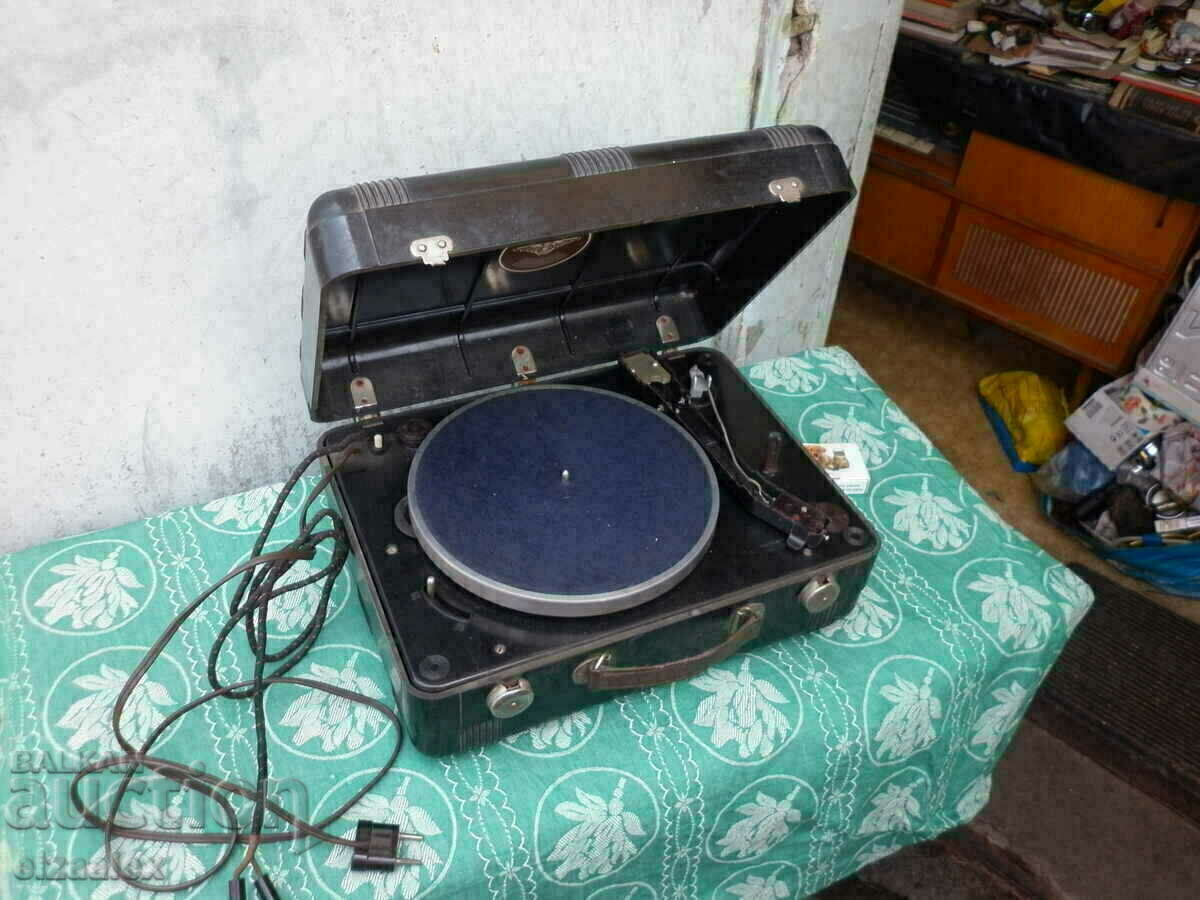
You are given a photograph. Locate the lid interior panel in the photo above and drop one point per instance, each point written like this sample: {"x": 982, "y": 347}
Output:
{"x": 423, "y": 333}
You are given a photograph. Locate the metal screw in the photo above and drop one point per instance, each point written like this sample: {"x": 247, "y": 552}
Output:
{"x": 422, "y": 248}
{"x": 430, "y": 585}
{"x": 391, "y": 549}
{"x": 434, "y": 668}
{"x": 500, "y": 649}
{"x": 442, "y": 244}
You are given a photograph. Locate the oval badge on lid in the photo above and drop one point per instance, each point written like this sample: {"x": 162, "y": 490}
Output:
{"x": 542, "y": 255}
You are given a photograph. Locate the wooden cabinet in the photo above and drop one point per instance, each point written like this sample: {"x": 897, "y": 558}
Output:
{"x": 1066, "y": 256}
{"x": 900, "y": 224}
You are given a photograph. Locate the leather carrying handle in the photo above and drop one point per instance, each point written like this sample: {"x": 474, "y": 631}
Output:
{"x": 744, "y": 626}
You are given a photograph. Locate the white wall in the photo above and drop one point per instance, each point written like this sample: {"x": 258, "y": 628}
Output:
{"x": 157, "y": 160}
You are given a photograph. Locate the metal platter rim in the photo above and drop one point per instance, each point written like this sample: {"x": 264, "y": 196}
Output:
{"x": 562, "y": 606}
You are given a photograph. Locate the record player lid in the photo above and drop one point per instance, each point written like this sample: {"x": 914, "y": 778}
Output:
{"x": 438, "y": 286}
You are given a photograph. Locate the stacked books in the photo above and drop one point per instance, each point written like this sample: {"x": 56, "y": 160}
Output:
{"x": 941, "y": 21}
{"x": 844, "y": 464}
{"x": 1060, "y": 53}
{"x": 1164, "y": 100}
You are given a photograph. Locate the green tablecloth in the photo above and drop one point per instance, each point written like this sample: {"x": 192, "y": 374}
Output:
{"x": 769, "y": 776}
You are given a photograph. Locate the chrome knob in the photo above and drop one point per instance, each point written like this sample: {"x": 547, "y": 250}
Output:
{"x": 510, "y": 698}
{"x": 819, "y": 594}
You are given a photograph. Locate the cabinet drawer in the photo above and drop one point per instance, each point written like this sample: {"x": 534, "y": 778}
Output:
{"x": 899, "y": 225}
{"x": 1084, "y": 303}
{"x": 1144, "y": 229}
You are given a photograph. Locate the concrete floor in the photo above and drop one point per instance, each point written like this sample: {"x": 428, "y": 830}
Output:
{"x": 929, "y": 356}
{"x": 1072, "y": 828}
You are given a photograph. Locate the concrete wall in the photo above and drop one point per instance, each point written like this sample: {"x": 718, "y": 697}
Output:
{"x": 157, "y": 161}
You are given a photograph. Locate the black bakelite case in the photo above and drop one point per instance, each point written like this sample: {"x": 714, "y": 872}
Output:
{"x": 689, "y": 231}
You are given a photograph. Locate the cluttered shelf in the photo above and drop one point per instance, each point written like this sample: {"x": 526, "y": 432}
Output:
{"x": 1050, "y": 77}
{"x": 1011, "y": 187}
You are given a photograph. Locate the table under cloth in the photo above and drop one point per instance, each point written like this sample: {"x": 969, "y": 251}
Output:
{"x": 771, "y": 775}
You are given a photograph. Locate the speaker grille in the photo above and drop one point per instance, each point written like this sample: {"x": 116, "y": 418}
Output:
{"x": 1040, "y": 282}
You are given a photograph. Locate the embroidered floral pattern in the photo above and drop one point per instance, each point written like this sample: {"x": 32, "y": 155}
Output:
{"x": 908, "y": 726}
{"x": 742, "y": 710}
{"x": 926, "y": 517}
{"x": 765, "y": 823}
{"x": 1076, "y": 595}
{"x": 92, "y": 593}
{"x": 974, "y": 798}
{"x": 154, "y": 862}
{"x": 848, "y": 429}
{"x": 295, "y": 609}
{"x": 1018, "y": 611}
{"x": 90, "y": 718}
{"x": 334, "y": 723}
{"x": 895, "y": 808}
{"x": 557, "y": 734}
{"x": 760, "y": 887}
{"x": 997, "y": 721}
{"x": 906, "y": 429}
{"x": 246, "y": 511}
{"x": 870, "y": 620}
{"x": 601, "y": 841}
{"x": 839, "y": 362}
{"x": 790, "y": 375}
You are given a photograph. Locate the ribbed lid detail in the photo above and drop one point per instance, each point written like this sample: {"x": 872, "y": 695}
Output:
{"x": 598, "y": 162}
{"x": 783, "y": 136}
{"x": 387, "y": 192}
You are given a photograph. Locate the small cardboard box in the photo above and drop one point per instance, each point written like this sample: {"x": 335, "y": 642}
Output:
{"x": 844, "y": 464}
{"x": 1116, "y": 420}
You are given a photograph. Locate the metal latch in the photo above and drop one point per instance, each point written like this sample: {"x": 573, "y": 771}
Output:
{"x": 789, "y": 189}
{"x": 433, "y": 251}
{"x": 366, "y": 407}
{"x": 645, "y": 368}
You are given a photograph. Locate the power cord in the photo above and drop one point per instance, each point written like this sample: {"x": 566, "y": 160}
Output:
{"x": 374, "y": 844}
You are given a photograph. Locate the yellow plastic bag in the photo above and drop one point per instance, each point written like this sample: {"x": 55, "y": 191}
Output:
{"x": 1031, "y": 409}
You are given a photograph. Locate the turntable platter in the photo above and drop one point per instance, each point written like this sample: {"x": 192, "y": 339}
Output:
{"x": 562, "y": 500}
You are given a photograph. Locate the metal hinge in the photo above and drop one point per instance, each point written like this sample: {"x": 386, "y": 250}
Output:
{"x": 523, "y": 362}
{"x": 789, "y": 188}
{"x": 433, "y": 251}
{"x": 668, "y": 333}
{"x": 366, "y": 407}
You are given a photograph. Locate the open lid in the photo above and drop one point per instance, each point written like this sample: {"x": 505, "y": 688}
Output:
{"x": 421, "y": 289}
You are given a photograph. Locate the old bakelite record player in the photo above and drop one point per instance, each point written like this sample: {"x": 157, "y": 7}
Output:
{"x": 558, "y": 495}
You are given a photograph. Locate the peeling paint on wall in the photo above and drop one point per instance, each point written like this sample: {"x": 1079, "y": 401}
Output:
{"x": 825, "y": 64}
{"x": 801, "y": 29}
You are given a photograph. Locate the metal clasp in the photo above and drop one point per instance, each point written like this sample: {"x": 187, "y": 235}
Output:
{"x": 366, "y": 406}
{"x": 433, "y": 251}
{"x": 789, "y": 188}
{"x": 523, "y": 362}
